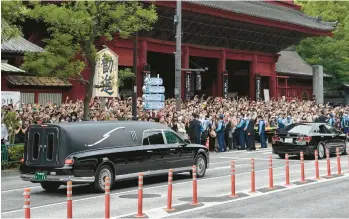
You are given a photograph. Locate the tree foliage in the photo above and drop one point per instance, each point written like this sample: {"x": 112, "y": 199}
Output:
{"x": 74, "y": 27}
{"x": 11, "y": 12}
{"x": 330, "y": 52}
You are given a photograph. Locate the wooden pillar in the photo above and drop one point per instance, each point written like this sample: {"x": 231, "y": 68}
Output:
{"x": 273, "y": 81}
{"x": 218, "y": 90}
{"x": 185, "y": 64}
{"x": 142, "y": 60}
{"x": 252, "y": 79}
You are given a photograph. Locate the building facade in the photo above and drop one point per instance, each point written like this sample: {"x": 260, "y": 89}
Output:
{"x": 239, "y": 42}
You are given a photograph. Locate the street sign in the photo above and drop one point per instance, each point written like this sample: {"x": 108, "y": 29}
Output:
{"x": 153, "y": 89}
{"x": 153, "y": 97}
{"x": 153, "y": 105}
{"x": 153, "y": 81}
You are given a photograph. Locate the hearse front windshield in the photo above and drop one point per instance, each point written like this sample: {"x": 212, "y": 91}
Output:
{"x": 303, "y": 129}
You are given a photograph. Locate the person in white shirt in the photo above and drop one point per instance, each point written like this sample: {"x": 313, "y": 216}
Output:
{"x": 4, "y": 133}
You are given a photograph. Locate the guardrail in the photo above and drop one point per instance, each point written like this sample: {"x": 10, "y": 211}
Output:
{"x": 11, "y": 155}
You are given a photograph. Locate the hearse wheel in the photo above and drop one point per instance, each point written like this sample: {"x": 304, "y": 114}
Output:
{"x": 200, "y": 163}
{"x": 346, "y": 148}
{"x": 321, "y": 151}
{"x": 103, "y": 172}
{"x": 50, "y": 186}
{"x": 282, "y": 156}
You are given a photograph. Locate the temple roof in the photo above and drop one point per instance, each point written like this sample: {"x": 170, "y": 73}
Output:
{"x": 269, "y": 11}
{"x": 290, "y": 62}
{"x": 37, "y": 81}
{"x": 19, "y": 45}
{"x": 10, "y": 68}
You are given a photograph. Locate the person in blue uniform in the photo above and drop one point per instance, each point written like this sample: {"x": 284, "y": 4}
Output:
{"x": 345, "y": 123}
{"x": 281, "y": 122}
{"x": 220, "y": 133}
{"x": 331, "y": 120}
{"x": 261, "y": 131}
{"x": 241, "y": 134}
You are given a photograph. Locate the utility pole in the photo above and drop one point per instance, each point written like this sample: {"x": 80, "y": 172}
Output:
{"x": 178, "y": 55}
{"x": 134, "y": 93}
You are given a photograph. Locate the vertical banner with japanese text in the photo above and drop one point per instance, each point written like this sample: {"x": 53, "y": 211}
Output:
{"x": 106, "y": 76}
{"x": 188, "y": 85}
{"x": 258, "y": 87}
{"x": 225, "y": 85}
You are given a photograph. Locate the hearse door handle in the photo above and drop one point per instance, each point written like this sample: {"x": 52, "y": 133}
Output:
{"x": 150, "y": 151}
{"x": 172, "y": 149}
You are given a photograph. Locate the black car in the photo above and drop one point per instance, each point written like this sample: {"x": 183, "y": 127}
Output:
{"x": 87, "y": 152}
{"x": 308, "y": 137}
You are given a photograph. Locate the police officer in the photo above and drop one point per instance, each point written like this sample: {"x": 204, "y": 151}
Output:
{"x": 345, "y": 123}
{"x": 220, "y": 133}
{"x": 261, "y": 131}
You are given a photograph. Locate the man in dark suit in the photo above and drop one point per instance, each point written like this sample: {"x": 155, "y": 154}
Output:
{"x": 322, "y": 118}
{"x": 194, "y": 131}
{"x": 249, "y": 129}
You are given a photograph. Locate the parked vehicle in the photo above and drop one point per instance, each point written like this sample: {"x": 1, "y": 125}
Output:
{"x": 87, "y": 152}
{"x": 308, "y": 137}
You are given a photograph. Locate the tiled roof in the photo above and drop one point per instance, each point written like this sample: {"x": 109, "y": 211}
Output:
{"x": 268, "y": 11}
{"x": 10, "y": 68}
{"x": 19, "y": 45}
{"x": 291, "y": 63}
{"x": 37, "y": 81}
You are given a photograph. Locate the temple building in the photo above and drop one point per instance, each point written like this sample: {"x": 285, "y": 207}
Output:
{"x": 243, "y": 44}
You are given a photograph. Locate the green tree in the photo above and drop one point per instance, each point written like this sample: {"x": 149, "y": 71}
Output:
{"x": 11, "y": 12}
{"x": 330, "y": 52}
{"x": 74, "y": 27}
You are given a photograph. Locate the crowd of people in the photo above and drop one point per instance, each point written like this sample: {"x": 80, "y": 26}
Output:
{"x": 228, "y": 124}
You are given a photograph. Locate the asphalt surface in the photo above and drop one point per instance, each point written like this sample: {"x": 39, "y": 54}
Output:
{"x": 213, "y": 190}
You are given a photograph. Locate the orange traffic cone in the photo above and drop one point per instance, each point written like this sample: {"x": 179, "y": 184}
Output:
{"x": 207, "y": 142}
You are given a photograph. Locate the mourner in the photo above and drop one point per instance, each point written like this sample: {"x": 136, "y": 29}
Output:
{"x": 205, "y": 128}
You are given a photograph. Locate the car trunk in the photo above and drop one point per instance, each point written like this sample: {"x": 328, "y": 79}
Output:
{"x": 42, "y": 147}
{"x": 288, "y": 138}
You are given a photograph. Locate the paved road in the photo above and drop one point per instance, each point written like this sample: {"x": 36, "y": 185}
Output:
{"x": 212, "y": 189}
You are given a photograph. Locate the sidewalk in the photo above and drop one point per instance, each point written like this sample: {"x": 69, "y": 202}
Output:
{"x": 11, "y": 172}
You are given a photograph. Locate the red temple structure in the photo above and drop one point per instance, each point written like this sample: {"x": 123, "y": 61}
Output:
{"x": 240, "y": 42}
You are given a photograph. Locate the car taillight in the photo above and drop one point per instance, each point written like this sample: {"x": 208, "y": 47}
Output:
{"x": 276, "y": 138}
{"x": 69, "y": 162}
{"x": 306, "y": 139}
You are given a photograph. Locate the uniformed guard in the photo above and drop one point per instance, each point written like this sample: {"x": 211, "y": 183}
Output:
{"x": 241, "y": 133}
{"x": 261, "y": 131}
{"x": 220, "y": 133}
{"x": 345, "y": 123}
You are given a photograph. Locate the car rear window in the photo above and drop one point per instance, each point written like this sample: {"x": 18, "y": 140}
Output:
{"x": 303, "y": 129}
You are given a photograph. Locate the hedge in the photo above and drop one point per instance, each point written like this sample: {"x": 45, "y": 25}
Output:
{"x": 11, "y": 155}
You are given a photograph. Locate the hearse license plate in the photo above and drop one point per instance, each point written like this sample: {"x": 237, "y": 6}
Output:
{"x": 288, "y": 140}
{"x": 40, "y": 175}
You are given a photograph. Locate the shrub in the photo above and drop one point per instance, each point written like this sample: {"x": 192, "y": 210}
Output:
{"x": 14, "y": 154}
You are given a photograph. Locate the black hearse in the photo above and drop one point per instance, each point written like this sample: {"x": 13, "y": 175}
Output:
{"x": 87, "y": 152}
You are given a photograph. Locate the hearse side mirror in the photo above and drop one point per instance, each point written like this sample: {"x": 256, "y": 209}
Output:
{"x": 187, "y": 141}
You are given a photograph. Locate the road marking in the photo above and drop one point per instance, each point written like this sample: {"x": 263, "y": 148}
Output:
{"x": 211, "y": 204}
{"x": 149, "y": 188}
{"x": 12, "y": 190}
{"x": 248, "y": 197}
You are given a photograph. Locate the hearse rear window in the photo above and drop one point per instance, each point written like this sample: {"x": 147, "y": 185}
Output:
{"x": 153, "y": 137}
{"x": 36, "y": 140}
{"x": 49, "y": 152}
